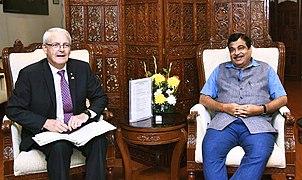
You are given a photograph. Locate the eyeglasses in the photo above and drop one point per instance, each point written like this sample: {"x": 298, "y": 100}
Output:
{"x": 58, "y": 45}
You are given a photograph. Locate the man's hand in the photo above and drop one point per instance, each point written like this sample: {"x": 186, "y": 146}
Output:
{"x": 247, "y": 110}
{"x": 55, "y": 125}
{"x": 77, "y": 121}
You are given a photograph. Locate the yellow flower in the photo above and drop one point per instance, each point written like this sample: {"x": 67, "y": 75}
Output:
{"x": 173, "y": 81}
{"x": 158, "y": 78}
{"x": 159, "y": 99}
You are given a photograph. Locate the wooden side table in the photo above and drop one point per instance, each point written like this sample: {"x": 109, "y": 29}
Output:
{"x": 147, "y": 132}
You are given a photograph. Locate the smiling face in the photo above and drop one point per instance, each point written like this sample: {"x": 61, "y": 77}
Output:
{"x": 240, "y": 54}
{"x": 57, "y": 55}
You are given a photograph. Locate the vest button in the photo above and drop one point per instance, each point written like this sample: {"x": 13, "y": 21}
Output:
{"x": 241, "y": 97}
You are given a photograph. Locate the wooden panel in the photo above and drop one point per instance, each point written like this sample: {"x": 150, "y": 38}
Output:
{"x": 250, "y": 17}
{"x": 98, "y": 23}
{"x": 289, "y": 33}
{"x": 170, "y": 30}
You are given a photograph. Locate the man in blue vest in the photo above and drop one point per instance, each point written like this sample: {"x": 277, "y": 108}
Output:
{"x": 244, "y": 93}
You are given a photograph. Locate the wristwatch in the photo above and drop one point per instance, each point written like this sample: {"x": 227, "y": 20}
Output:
{"x": 87, "y": 112}
{"x": 264, "y": 108}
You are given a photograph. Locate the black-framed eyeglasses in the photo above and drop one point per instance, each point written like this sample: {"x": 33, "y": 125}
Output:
{"x": 58, "y": 45}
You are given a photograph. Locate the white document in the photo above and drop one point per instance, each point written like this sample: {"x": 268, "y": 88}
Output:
{"x": 79, "y": 137}
{"x": 140, "y": 99}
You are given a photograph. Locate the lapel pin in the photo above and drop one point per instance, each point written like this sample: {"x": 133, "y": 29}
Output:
{"x": 72, "y": 77}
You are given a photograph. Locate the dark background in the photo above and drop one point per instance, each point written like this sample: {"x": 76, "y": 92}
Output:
{"x": 26, "y": 6}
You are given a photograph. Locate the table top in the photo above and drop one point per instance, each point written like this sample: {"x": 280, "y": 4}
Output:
{"x": 163, "y": 121}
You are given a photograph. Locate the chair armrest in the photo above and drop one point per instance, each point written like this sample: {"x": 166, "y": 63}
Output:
{"x": 198, "y": 120}
{"x": 278, "y": 122}
{"x": 203, "y": 116}
{"x": 7, "y": 148}
{"x": 289, "y": 122}
{"x": 6, "y": 125}
{"x": 107, "y": 115}
{"x": 110, "y": 156}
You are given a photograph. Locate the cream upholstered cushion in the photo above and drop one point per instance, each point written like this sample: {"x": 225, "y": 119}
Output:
{"x": 212, "y": 58}
{"x": 21, "y": 60}
{"x": 3, "y": 94}
{"x": 34, "y": 160}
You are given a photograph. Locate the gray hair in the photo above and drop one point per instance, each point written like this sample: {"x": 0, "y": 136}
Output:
{"x": 47, "y": 34}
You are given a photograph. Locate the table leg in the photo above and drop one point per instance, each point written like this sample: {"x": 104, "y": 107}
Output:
{"x": 177, "y": 152}
{"x": 125, "y": 154}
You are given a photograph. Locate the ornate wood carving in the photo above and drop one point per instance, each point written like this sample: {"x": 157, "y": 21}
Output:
{"x": 169, "y": 30}
{"x": 250, "y": 17}
{"x": 97, "y": 22}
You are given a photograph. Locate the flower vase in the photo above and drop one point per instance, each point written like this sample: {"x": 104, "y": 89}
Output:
{"x": 163, "y": 109}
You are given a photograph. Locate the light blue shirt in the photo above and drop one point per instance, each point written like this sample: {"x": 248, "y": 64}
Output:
{"x": 275, "y": 86}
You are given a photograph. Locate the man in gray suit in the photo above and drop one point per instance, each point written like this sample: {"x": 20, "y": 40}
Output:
{"x": 50, "y": 95}
{"x": 244, "y": 93}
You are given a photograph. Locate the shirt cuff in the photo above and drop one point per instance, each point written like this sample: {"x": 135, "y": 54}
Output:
{"x": 93, "y": 114}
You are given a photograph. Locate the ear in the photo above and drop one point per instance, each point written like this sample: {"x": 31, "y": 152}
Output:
{"x": 44, "y": 48}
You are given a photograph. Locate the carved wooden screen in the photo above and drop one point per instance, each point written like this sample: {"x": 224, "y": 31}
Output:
{"x": 97, "y": 22}
{"x": 245, "y": 16}
{"x": 170, "y": 30}
{"x": 129, "y": 32}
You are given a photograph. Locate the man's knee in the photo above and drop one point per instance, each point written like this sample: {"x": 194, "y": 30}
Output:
{"x": 61, "y": 148}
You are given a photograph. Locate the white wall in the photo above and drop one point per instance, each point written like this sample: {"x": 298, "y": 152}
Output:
{"x": 29, "y": 28}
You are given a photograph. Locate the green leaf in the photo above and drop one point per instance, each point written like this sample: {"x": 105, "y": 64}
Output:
{"x": 165, "y": 71}
{"x": 149, "y": 74}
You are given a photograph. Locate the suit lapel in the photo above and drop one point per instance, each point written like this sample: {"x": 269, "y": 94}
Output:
{"x": 72, "y": 81}
{"x": 50, "y": 82}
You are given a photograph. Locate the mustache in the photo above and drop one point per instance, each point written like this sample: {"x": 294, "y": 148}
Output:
{"x": 238, "y": 55}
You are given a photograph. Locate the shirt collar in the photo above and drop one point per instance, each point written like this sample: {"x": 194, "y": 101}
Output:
{"x": 55, "y": 70}
{"x": 252, "y": 63}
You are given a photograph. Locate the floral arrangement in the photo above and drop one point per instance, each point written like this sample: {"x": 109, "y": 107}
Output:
{"x": 164, "y": 89}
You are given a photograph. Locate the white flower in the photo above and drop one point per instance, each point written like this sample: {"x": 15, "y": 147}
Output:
{"x": 169, "y": 91}
{"x": 158, "y": 91}
{"x": 171, "y": 100}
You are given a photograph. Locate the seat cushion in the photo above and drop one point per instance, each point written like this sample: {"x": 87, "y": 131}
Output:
{"x": 36, "y": 158}
{"x": 38, "y": 163}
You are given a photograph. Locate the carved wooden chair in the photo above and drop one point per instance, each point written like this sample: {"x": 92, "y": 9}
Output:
{"x": 282, "y": 160}
{"x": 32, "y": 164}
